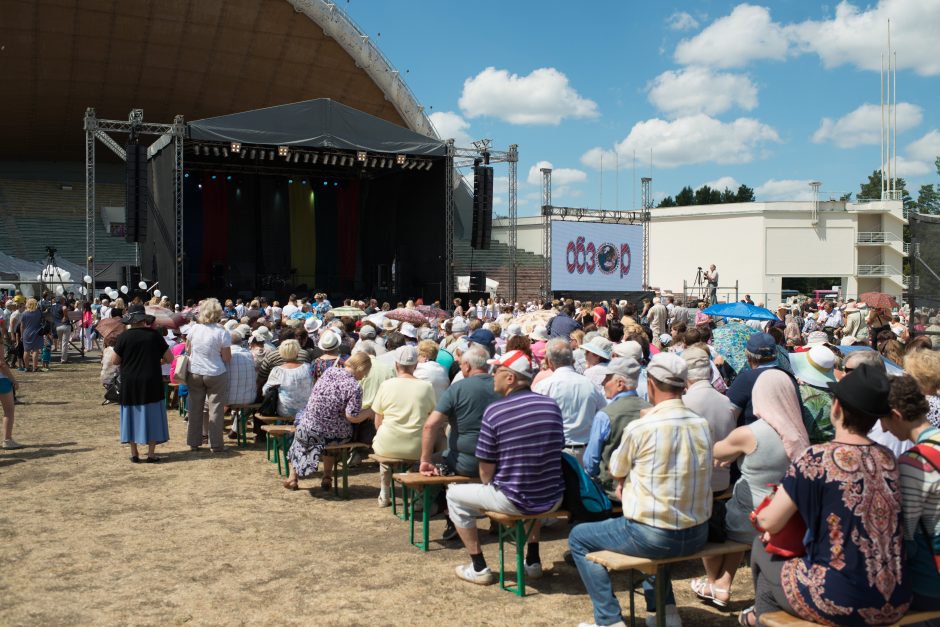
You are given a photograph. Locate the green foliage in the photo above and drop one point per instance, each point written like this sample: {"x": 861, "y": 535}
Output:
{"x": 705, "y": 195}
{"x": 928, "y": 199}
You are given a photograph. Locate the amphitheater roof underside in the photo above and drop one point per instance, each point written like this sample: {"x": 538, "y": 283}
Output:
{"x": 198, "y": 58}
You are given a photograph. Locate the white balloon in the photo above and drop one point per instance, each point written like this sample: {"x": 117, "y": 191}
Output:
{"x": 87, "y": 278}
{"x": 39, "y": 277}
{"x": 59, "y": 290}
{"x": 82, "y": 290}
{"x": 142, "y": 285}
{"x": 124, "y": 289}
{"x": 157, "y": 293}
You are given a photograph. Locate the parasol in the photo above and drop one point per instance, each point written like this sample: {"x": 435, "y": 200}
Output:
{"x": 109, "y": 328}
{"x": 730, "y": 340}
{"x": 165, "y": 317}
{"x": 401, "y": 314}
{"x": 433, "y": 313}
{"x": 892, "y": 368}
{"x": 352, "y": 312}
{"x": 741, "y": 311}
{"x": 878, "y": 300}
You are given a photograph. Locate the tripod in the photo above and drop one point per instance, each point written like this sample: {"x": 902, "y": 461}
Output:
{"x": 698, "y": 289}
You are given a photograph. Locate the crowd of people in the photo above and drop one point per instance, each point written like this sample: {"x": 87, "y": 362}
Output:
{"x": 800, "y": 422}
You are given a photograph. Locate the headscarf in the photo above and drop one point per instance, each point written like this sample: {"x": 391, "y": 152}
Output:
{"x": 775, "y": 402}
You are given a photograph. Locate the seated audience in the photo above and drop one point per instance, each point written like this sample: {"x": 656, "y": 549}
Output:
{"x": 430, "y": 370}
{"x": 293, "y": 377}
{"x": 663, "y": 468}
{"x": 519, "y": 453}
{"x": 847, "y": 492}
{"x": 924, "y": 366}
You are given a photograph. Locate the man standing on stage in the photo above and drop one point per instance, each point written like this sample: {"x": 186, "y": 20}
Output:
{"x": 712, "y": 277}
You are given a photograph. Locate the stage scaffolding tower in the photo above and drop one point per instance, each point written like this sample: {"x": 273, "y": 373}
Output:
{"x": 464, "y": 158}
{"x": 647, "y": 198}
{"x": 96, "y": 128}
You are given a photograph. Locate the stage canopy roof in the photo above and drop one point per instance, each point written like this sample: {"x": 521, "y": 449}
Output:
{"x": 320, "y": 123}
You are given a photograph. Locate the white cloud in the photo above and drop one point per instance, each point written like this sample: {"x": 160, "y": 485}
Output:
{"x": 913, "y": 167}
{"x": 451, "y": 125}
{"x": 863, "y": 125}
{"x": 747, "y": 34}
{"x": 681, "y": 20}
{"x": 723, "y": 182}
{"x": 857, "y": 37}
{"x": 926, "y": 148}
{"x": 500, "y": 189}
{"x": 560, "y": 176}
{"x": 787, "y": 189}
{"x": 600, "y": 158}
{"x": 700, "y": 90}
{"x": 542, "y": 97}
{"x": 687, "y": 140}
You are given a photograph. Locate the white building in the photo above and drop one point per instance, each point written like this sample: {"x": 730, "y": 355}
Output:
{"x": 757, "y": 245}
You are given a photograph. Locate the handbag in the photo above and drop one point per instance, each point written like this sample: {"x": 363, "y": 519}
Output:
{"x": 788, "y": 542}
{"x": 269, "y": 401}
{"x": 181, "y": 370}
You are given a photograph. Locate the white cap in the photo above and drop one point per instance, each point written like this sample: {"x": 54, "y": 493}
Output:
{"x": 408, "y": 330}
{"x": 406, "y": 355}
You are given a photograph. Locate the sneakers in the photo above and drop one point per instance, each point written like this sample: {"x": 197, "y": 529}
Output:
{"x": 450, "y": 531}
{"x": 384, "y": 501}
{"x": 619, "y": 623}
{"x": 533, "y": 571}
{"x": 11, "y": 444}
{"x": 482, "y": 578}
{"x": 355, "y": 459}
{"x": 672, "y": 618}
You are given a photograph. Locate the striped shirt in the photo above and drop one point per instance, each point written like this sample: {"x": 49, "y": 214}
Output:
{"x": 666, "y": 457}
{"x": 523, "y": 435}
{"x": 920, "y": 491}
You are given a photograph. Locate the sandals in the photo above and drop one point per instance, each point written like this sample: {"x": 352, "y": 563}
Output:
{"x": 135, "y": 459}
{"x": 152, "y": 460}
{"x": 744, "y": 618}
{"x": 290, "y": 485}
{"x": 326, "y": 484}
{"x": 707, "y": 591}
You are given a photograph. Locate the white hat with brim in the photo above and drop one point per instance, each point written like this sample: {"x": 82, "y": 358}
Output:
{"x": 815, "y": 366}
{"x": 600, "y": 346}
{"x": 539, "y": 334}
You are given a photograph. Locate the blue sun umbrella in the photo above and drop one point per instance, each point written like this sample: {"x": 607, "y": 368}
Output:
{"x": 741, "y": 311}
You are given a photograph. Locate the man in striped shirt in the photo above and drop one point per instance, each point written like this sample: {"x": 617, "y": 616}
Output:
{"x": 663, "y": 467}
{"x": 519, "y": 453}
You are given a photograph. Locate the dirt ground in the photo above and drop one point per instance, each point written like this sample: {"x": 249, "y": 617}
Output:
{"x": 89, "y": 538}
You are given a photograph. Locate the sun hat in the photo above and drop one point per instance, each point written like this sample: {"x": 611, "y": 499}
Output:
{"x": 389, "y": 325}
{"x": 408, "y": 330}
{"x": 367, "y": 332}
{"x": 696, "y": 358}
{"x": 600, "y": 346}
{"x": 424, "y": 333}
{"x": 514, "y": 330}
{"x": 329, "y": 341}
{"x": 815, "y": 366}
{"x": 459, "y": 325}
{"x": 817, "y": 338}
{"x": 406, "y": 355}
{"x": 262, "y": 334}
{"x": 668, "y": 368}
{"x": 230, "y": 325}
{"x": 626, "y": 367}
{"x": 462, "y": 345}
{"x": 517, "y": 361}
{"x": 312, "y": 324}
{"x": 630, "y": 348}
{"x": 539, "y": 333}
{"x": 665, "y": 339}
{"x": 864, "y": 390}
{"x": 244, "y": 329}
{"x": 137, "y": 313}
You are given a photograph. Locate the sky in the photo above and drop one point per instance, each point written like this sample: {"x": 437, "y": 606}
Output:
{"x": 768, "y": 95}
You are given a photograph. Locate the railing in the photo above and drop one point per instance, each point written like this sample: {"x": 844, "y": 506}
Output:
{"x": 907, "y": 248}
{"x": 872, "y": 237}
{"x": 876, "y": 270}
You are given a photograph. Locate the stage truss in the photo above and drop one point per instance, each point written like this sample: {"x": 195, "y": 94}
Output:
{"x": 96, "y": 128}
{"x": 550, "y": 212}
{"x": 463, "y": 158}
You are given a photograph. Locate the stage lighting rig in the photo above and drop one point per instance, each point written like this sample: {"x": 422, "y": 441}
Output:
{"x": 361, "y": 156}
{"x": 282, "y": 151}
{"x": 400, "y": 159}
{"x": 236, "y": 147}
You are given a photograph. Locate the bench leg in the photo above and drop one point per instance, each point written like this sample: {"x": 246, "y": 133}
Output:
{"x": 267, "y": 446}
{"x": 425, "y": 520}
{"x": 660, "y": 587}
{"x": 632, "y": 603}
{"x": 518, "y": 534}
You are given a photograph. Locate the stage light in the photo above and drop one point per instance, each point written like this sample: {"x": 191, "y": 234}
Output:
{"x": 253, "y": 153}
{"x": 412, "y": 164}
{"x": 296, "y": 157}
{"x": 400, "y": 159}
{"x": 215, "y": 151}
{"x": 372, "y": 162}
{"x": 290, "y": 181}
{"x": 186, "y": 175}
{"x": 213, "y": 177}
{"x": 382, "y": 163}
{"x": 270, "y": 155}
{"x": 333, "y": 160}
{"x": 361, "y": 155}
{"x": 315, "y": 158}
{"x": 243, "y": 153}
{"x": 324, "y": 183}
{"x": 236, "y": 147}
{"x": 224, "y": 151}
{"x": 306, "y": 157}
{"x": 427, "y": 165}
{"x": 200, "y": 186}
{"x": 228, "y": 178}
{"x": 282, "y": 151}
{"x": 335, "y": 183}
{"x": 303, "y": 182}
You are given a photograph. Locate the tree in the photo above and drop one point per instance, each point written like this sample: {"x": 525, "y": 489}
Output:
{"x": 685, "y": 197}
{"x": 667, "y": 202}
{"x": 705, "y": 195}
{"x": 928, "y": 199}
{"x": 745, "y": 194}
{"x": 872, "y": 189}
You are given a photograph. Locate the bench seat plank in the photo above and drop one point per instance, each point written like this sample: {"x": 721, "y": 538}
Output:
{"x": 416, "y": 479}
{"x": 782, "y": 619}
{"x": 511, "y": 519}
{"x": 618, "y": 561}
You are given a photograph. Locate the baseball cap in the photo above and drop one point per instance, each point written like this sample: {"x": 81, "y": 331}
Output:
{"x": 864, "y": 390}
{"x": 459, "y": 325}
{"x": 668, "y": 368}
{"x": 367, "y": 332}
{"x": 482, "y": 336}
{"x": 626, "y": 367}
{"x": 696, "y": 358}
{"x": 762, "y": 344}
{"x": 408, "y": 330}
{"x": 406, "y": 355}
{"x": 517, "y": 361}
{"x": 630, "y": 348}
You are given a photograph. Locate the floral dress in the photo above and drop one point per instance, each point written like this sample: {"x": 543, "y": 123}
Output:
{"x": 323, "y": 421}
{"x": 849, "y": 496}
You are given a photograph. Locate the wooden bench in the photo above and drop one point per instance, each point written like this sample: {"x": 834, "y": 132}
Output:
{"x": 782, "y": 619}
{"x": 398, "y": 466}
{"x": 614, "y": 561}
{"x": 341, "y": 453}
{"x": 278, "y": 439}
{"x": 240, "y": 415}
{"x": 182, "y": 400}
{"x": 411, "y": 482}
{"x": 517, "y": 528}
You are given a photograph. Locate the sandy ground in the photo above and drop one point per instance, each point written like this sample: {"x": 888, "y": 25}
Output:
{"x": 89, "y": 538}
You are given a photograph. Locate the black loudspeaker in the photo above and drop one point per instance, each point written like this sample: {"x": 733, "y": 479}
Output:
{"x": 478, "y": 281}
{"x": 130, "y": 276}
{"x": 482, "y": 207}
{"x": 135, "y": 202}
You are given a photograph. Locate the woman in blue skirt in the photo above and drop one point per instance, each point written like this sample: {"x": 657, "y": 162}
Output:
{"x": 140, "y": 351}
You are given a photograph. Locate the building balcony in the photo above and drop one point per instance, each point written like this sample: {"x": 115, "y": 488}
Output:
{"x": 877, "y": 270}
{"x": 882, "y": 238}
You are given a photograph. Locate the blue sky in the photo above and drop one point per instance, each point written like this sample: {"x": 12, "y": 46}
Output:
{"x": 771, "y": 96}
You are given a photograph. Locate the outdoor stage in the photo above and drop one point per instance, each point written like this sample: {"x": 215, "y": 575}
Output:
{"x": 312, "y": 196}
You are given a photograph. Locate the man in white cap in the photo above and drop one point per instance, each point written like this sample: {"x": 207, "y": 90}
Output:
{"x": 711, "y": 405}
{"x": 401, "y": 407}
{"x": 458, "y": 328}
{"x": 577, "y": 397}
{"x": 620, "y": 379}
{"x": 663, "y": 467}
{"x": 633, "y": 349}
{"x": 597, "y": 353}
{"x": 519, "y": 454}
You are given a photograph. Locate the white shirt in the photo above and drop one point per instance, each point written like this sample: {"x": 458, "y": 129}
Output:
{"x": 578, "y": 399}
{"x": 596, "y": 375}
{"x": 206, "y": 342}
{"x": 433, "y": 373}
{"x": 289, "y": 308}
